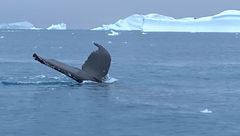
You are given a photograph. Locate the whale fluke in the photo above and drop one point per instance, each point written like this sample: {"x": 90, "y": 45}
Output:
{"x": 95, "y": 67}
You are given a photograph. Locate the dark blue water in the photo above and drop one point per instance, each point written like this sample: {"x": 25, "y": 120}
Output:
{"x": 168, "y": 84}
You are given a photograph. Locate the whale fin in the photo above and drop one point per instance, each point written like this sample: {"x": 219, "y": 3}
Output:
{"x": 95, "y": 67}
{"x": 98, "y": 63}
{"x": 73, "y": 72}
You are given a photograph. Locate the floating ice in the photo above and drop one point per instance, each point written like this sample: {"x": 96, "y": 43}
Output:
{"x": 61, "y": 26}
{"x": 113, "y": 33}
{"x": 1, "y": 37}
{"x": 29, "y": 26}
{"x": 17, "y": 25}
{"x": 227, "y": 21}
{"x": 36, "y": 28}
{"x": 206, "y": 111}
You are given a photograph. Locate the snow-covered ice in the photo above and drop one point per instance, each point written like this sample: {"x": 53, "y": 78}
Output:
{"x": 17, "y": 25}
{"x": 226, "y": 21}
{"x": 60, "y": 26}
{"x": 29, "y": 26}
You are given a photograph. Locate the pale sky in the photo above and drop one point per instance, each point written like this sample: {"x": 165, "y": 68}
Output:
{"x": 86, "y": 14}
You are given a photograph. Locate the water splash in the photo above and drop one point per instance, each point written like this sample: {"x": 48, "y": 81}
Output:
{"x": 50, "y": 80}
{"x": 107, "y": 79}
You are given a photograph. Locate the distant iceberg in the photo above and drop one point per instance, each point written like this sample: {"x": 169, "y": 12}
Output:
{"x": 29, "y": 26}
{"x": 227, "y": 21}
{"x": 61, "y": 26}
{"x": 17, "y": 25}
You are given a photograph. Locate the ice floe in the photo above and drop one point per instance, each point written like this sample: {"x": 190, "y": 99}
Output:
{"x": 113, "y": 33}
{"x": 206, "y": 111}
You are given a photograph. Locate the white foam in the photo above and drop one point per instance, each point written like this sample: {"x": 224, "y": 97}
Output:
{"x": 37, "y": 76}
{"x": 206, "y": 111}
{"x": 55, "y": 77}
{"x": 1, "y": 37}
{"x": 110, "y": 80}
{"x": 40, "y": 76}
{"x": 88, "y": 81}
{"x": 107, "y": 80}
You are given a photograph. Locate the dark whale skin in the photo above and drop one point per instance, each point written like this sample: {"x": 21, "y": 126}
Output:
{"x": 95, "y": 67}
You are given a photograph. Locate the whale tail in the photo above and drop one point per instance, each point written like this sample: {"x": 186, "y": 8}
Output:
{"x": 95, "y": 67}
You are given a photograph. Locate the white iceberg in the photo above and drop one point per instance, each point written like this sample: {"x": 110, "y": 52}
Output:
{"x": 60, "y": 26}
{"x": 113, "y": 33}
{"x": 36, "y": 28}
{"x": 227, "y": 21}
{"x": 29, "y": 26}
{"x": 17, "y": 25}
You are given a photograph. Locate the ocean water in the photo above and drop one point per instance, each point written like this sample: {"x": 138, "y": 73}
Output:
{"x": 162, "y": 84}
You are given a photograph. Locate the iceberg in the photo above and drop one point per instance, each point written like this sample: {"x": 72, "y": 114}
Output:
{"x": 226, "y": 21}
{"x": 29, "y": 26}
{"x": 17, "y": 25}
{"x": 113, "y": 33}
{"x": 206, "y": 111}
{"x": 36, "y": 28}
{"x": 60, "y": 26}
